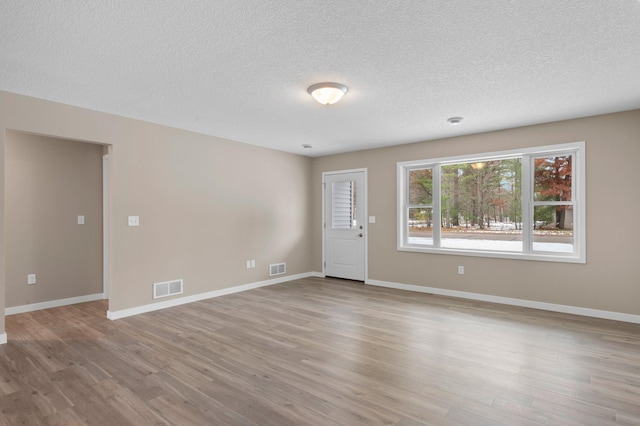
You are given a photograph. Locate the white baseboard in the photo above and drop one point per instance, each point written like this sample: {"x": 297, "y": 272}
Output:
{"x": 52, "y": 304}
{"x": 114, "y": 315}
{"x": 3, "y": 338}
{"x": 317, "y": 275}
{"x": 595, "y": 313}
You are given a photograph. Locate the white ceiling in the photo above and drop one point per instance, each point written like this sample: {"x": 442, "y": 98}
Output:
{"x": 239, "y": 69}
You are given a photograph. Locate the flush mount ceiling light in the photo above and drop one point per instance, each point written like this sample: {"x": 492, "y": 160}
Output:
{"x": 454, "y": 121}
{"x": 327, "y": 93}
{"x": 307, "y": 146}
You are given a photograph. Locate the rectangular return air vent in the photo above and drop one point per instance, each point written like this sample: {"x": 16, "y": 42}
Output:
{"x": 277, "y": 269}
{"x": 167, "y": 288}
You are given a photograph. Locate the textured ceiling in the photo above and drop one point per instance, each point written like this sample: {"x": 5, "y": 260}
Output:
{"x": 239, "y": 69}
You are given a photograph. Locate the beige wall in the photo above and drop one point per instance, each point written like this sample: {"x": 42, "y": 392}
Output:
{"x": 49, "y": 183}
{"x": 206, "y": 204}
{"x": 610, "y": 280}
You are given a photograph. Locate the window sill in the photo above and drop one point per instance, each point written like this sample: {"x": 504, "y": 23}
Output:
{"x": 543, "y": 257}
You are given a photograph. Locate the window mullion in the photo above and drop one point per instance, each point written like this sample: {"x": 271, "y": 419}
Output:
{"x": 404, "y": 231}
{"x": 437, "y": 210}
{"x": 527, "y": 204}
{"x": 553, "y": 203}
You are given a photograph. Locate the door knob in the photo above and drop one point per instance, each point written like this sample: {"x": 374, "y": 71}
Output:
{"x": 360, "y": 235}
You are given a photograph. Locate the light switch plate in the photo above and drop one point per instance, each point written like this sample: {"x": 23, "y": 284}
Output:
{"x": 80, "y": 220}
{"x": 372, "y": 219}
{"x": 134, "y": 220}
{"x": 31, "y": 279}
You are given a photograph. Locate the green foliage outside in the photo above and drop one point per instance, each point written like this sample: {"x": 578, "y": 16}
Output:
{"x": 475, "y": 195}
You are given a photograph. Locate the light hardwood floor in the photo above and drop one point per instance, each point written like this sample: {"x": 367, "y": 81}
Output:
{"x": 319, "y": 352}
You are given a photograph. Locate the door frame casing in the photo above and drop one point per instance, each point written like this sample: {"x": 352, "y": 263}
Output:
{"x": 366, "y": 218}
{"x": 106, "y": 173}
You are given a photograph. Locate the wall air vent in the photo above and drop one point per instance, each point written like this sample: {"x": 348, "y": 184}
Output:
{"x": 277, "y": 269}
{"x": 167, "y": 288}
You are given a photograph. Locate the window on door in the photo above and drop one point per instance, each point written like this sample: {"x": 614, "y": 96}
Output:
{"x": 343, "y": 205}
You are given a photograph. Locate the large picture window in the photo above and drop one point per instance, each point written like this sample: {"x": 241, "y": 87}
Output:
{"x": 526, "y": 204}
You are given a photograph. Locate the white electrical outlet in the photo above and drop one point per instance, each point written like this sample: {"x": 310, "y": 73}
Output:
{"x": 31, "y": 279}
{"x": 461, "y": 270}
{"x": 134, "y": 220}
{"x": 80, "y": 220}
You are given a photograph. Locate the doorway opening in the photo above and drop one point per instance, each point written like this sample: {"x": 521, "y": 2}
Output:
{"x": 56, "y": 217}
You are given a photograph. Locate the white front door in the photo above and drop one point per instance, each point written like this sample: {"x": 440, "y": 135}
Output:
{"x": 345, "y": 231}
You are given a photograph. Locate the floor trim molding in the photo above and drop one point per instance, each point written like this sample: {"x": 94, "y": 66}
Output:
{"x": 123, "y": 313}
{"x": 52, "y": 304}
{"x": 3, "y": 338}
{"x": 595, "y": 313}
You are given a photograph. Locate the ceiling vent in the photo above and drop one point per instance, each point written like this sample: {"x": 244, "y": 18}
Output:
{"x": 167, "y": 288}
{"x": 277, "y": 269}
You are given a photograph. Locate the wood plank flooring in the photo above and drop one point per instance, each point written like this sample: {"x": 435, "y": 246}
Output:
{"x": 319, "y": 352}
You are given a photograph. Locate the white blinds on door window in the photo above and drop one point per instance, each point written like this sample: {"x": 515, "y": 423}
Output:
{"x": 343, "y": 205}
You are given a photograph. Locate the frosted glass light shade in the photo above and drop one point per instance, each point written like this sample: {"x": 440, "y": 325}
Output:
{"x": 327, "y": 93}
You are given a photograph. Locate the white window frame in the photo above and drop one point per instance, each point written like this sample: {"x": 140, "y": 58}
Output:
{"x": 577, "y": 149}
